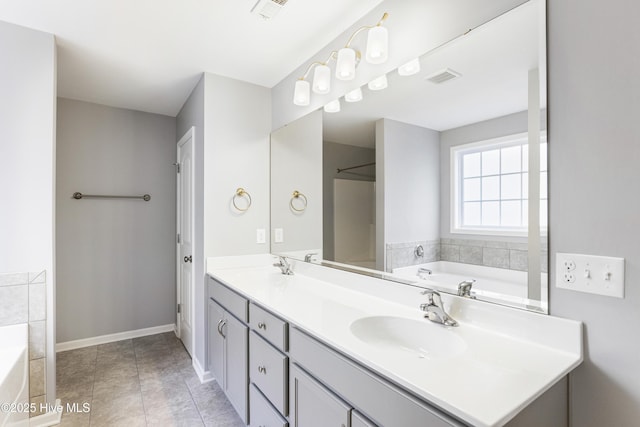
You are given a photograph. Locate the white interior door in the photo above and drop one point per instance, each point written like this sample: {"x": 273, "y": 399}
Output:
{"x": 185, "y": 269}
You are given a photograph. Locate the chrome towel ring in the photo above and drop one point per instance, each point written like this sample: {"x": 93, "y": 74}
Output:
{"x": 298, "y": 195}
{"x": 241, "y": 193}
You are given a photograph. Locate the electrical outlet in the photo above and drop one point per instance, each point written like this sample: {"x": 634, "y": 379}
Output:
{"x": 261, "y": 236}
{"x": 278, "y": 235}
{"x": 592, "y": 274}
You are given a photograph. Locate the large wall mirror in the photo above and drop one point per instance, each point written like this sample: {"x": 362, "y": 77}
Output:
{"x": 437, "y": 180}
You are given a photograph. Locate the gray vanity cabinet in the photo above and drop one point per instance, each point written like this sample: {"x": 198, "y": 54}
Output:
{"x": 268, "y": 368}
{"x": 312, "y": 405}
{"x": 229, "y": 345}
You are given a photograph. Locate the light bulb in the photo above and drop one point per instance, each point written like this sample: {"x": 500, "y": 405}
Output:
{"x": 322, "y": 79}
{"x": 377, "y": 45}
{"x": 346, "y": 64}
{"x": 410, "y": 68}
{"x": 379, "y": 83}
{"x": 333, "y": 106}
{"x": 301, "y": 93}
{"x": 354, "y": 96}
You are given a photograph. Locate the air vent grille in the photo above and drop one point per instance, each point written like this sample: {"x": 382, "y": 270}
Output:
{"x": 268, "y": 9}
{"x": 443, "y": 76}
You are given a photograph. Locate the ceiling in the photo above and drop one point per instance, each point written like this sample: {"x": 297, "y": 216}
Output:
{"x": 494, "y": 61}
{"x": 148, "y": 55}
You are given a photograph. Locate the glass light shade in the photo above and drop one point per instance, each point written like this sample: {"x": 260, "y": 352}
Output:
{"x": 346, "y": 64}
{"x": 377, "y": 45}
{"x": 354, "y": 96}
{"x": 410, "y": 68}
{"x": 333, "y": 106}
{"x": 321, "y": 79}
{"x": 302, "y": 93}
{"x": 379, "y": 83}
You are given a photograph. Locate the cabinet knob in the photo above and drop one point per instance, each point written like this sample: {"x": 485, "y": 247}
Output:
{"x": 188, "y": 258}
{"x": 262, "y": 325}
{"x": 262, "y": 370}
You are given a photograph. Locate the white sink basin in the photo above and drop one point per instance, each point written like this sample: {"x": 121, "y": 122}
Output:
{"x": 422, "y": 338}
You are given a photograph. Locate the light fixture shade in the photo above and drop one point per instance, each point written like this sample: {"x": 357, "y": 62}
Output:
{"x": 346, "y": 64}
{"x": 377, "y": 45}
{"x": 379, "y": 83}
{"x": 321, "y": 79}
{"x": 333, "y": 106}
{"x": 354, "y": 96}
{"x": 302, "y": 93}
{"x": 410, "y": 68}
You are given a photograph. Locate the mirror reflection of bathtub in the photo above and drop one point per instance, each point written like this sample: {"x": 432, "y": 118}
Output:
{"x": 14, "y": 369}
{"x": 491, "y": 284}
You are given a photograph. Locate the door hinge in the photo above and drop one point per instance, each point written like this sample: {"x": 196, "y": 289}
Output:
{"x": 177, "y": 165}
{"x": 178, "y": 238}
{"x": 178, "y": 308}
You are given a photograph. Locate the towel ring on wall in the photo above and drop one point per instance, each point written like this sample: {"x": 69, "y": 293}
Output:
{"x": 241, "y": 193}
{"x": 298, "y": 195}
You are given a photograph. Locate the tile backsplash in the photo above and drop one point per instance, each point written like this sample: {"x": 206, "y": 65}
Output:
{"x": 23, "y": 299}
{"x": 489, "y": 253}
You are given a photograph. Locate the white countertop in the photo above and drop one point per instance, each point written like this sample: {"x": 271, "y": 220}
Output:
{"x": 511, "y": 356}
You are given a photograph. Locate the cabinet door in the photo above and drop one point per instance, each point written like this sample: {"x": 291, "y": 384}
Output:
{"x": 216, "y": 342}
{"x": 236, "y": 376}
{"x": 313, "y": 405}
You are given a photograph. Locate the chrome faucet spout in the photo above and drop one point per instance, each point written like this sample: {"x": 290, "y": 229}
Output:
{"x": 284, "y": 266}
{"x": 435, "y": 309}
{"x": 308, "y": 257}
{"x": 464, "y": 288}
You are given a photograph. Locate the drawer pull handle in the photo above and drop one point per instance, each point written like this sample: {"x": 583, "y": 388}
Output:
{"x": 262, "y": 370}
{"x": 262, "y": 325}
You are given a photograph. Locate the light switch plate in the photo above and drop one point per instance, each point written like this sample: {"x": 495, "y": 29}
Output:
{"x": 592, "y": 274}
{"x": 278, "y": 235}
{"x": 261, "y": 236}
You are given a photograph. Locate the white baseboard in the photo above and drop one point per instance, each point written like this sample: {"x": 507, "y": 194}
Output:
{"x": 204, "y": 376}
{"x": 103, "y": 339}
{"x": 51, "y": 418}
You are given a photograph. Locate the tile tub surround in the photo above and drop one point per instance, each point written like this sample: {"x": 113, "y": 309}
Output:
{"x": 147, "y": 381}
{"x": 23, "y": 300}
{"x": 489, "y": 253}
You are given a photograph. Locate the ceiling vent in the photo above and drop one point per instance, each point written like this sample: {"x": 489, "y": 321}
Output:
{"x": 443, "y": 76}
{"x": 267, "y": 9}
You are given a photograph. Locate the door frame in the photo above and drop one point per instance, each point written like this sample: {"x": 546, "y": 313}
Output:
{"x": 190, "y": 134}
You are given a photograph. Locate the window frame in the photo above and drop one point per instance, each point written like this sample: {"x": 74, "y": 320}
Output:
{"x": 456, "y": 180}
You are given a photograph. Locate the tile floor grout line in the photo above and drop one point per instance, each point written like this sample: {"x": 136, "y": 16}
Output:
{"x": 135, "y": 356}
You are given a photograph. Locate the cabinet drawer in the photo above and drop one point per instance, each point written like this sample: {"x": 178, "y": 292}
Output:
{"x": 231, "y": 301}
{"x": 382, "y": 402}
{"x": 358, "y": 420}
{"x": 262, "y": 413}
{"x": 270, "y": 327}
{"x": 268, "y": 369}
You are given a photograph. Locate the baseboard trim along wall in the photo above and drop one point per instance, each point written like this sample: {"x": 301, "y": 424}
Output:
{"x": 103, "y": 339}
{"x": 203, "y": 376}
{"x": 50, "y": 418}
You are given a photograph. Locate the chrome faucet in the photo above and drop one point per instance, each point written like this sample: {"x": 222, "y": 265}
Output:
{"x": 284, "y": 266}
{"x": 422, "y": 271}
{"x": 435, "y": 309}
{"x": 464, "y": 288}
{"x": 307, "y": 257}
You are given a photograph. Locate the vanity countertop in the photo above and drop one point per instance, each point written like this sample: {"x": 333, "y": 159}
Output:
{"x": 509, "y": 357}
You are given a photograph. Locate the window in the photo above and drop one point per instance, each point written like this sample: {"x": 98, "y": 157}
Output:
{"x": 491, "y": 186}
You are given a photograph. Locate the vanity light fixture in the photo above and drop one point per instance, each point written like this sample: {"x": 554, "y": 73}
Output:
{"x": 410, "y": 68}
{"x": 333, "y": 106}
{"x": 346, "y": 59}
{"x": 378, "y": 83}
{"x": 354, "y": 96}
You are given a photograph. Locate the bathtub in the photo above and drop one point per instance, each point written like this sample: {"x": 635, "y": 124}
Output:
{"x": 491, "y": 283}
{"x": 14, "y": 373}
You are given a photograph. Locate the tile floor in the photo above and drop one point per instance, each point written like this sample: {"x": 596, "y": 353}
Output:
{"x": 146, "y": 381}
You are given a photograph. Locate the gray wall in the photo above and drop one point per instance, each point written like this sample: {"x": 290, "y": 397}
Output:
{"x": 27, "y": 192}
{"x": 336, "y": 156}
{"x": 408, "y": 184}
{"x": 115, "y": 259}
{"x": 594, "y": 145}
